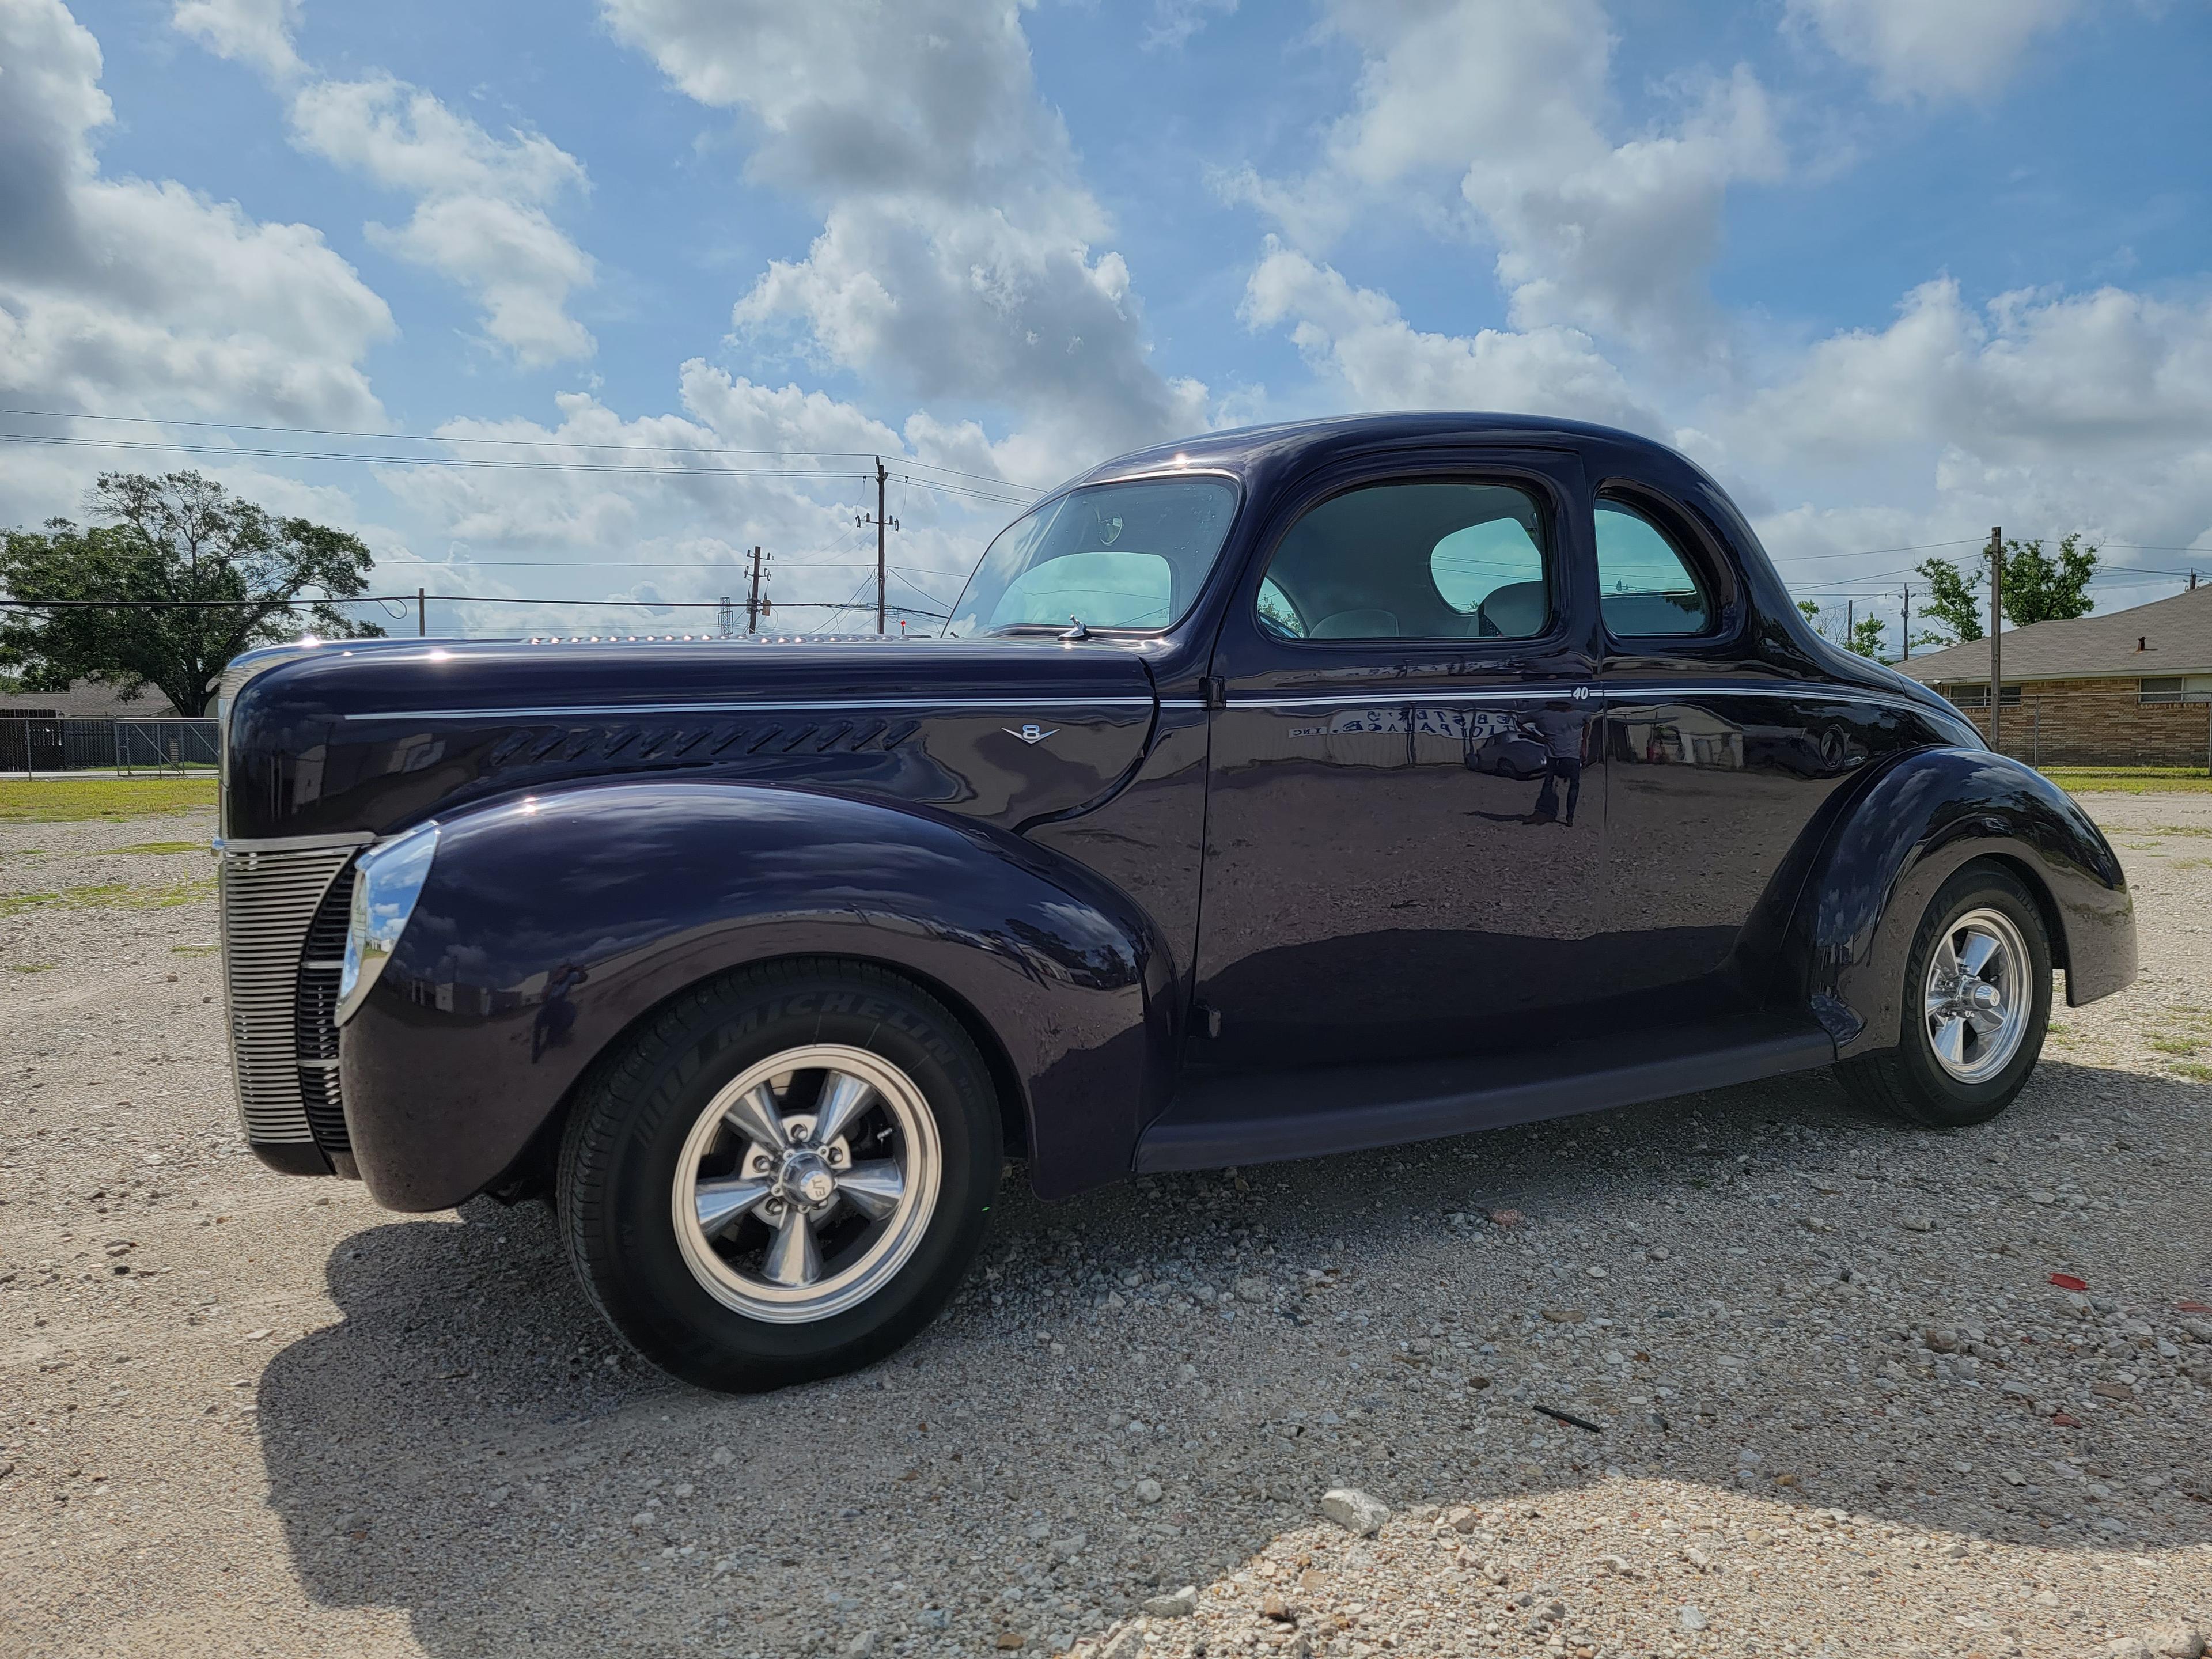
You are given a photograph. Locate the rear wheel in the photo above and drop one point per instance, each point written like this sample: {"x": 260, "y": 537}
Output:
{"x": 784, "y": 1175}
{"x": 1977, "y": 1003}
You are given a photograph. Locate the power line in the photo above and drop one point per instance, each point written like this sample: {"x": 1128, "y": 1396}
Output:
{"x": 478, "y": 464}
{"x": 1869, "y": 552}
{"x": 1977, "y": 541}
{"x": 409, "y": 598}
{"x": 738, "y": 567}
{"x": 433, "y": 460}
{"x": 200, "y": 604}
{"x": 457, "y": 438}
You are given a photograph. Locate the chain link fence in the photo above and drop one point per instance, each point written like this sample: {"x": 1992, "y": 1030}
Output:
{"x": 28, "y": 746}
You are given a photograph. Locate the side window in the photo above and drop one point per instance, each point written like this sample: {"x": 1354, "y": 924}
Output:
{"x": 1646, "y": 587}
{"x": 1412, "y": 562}
{"x": 1276, "y": 614}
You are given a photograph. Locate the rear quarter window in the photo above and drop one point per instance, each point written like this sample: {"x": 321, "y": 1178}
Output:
{"x": 1647, "y": 588}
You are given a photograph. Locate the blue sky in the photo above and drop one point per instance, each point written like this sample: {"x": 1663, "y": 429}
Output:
{"x": 1895, "y": 270}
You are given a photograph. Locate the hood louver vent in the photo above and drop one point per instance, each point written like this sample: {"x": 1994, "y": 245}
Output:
{"x": 660, "y": 744}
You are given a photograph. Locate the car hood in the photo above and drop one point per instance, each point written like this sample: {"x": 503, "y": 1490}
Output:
{"x": 368, "y": 737}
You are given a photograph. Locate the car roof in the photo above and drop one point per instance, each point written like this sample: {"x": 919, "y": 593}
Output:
{"x": 1289, "y": 446}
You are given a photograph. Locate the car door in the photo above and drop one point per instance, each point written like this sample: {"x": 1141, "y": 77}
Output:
{"x": 1718, "y": 756}
{"x": 1404, "y": 812}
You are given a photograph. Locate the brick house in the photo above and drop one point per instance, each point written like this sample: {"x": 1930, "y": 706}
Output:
{"x": 84, "y": 701}
{"x": 2132, "y": 687}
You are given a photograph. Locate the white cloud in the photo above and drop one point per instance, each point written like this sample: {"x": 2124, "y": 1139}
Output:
{"x": 257, "y": 31}
{"x": 1934, "y": 49}
{"x": 1357, "y": 338}
{"x": 2044, "y": 412}
{"x": 2030, "y": 374}
{"x": 1174, "y": 21}
{"x": 959, "y": 253}
{"x": 1511, "y": 100}
{"x": 477, "y": 519}
{"x": 480, "y": 215}
{"x": 482, "y": 204}
{"x": 129, "y": 296}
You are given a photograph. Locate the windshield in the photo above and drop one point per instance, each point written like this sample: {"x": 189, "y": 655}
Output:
{"x": 1117, "y": 554}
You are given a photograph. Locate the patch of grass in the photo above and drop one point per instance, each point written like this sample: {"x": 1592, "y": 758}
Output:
{"x": 2195, "y": 1071}
{"x": 32, "y": 967}
{"x": 194, "y": 949}
{"x": 82, "y": 800}
{"x": 114, "y": 894}
{"x": 2169, "y": 1046}
{"x": 2130, "y": 780}
{"x": 165, "y": 847}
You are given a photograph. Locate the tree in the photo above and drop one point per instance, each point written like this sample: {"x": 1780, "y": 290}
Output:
{"x": 1866, "y": 636}
{"x": 2048, "y": 587}
{"x": 180, "y": 537}
{"x": 1952, "y": 604}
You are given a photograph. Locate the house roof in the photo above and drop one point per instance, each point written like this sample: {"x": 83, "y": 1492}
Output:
{"x": 2176, "y": 634}
{"x": 86, "y": 701}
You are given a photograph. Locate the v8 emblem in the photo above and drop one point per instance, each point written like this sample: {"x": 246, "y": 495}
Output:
{"x": 1030, "y": 733}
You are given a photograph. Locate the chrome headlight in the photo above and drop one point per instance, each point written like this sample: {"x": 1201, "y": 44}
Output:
{"x": 386, "y": 882}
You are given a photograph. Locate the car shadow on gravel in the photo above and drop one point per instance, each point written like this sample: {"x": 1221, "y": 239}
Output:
{"x": 469, "y": 1444}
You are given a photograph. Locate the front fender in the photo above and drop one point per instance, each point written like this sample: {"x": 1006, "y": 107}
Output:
{"x": 550, "y": 924}
{"x": 1927, "y": 814}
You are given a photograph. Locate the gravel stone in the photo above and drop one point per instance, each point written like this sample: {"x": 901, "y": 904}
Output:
{"x": 432, "y": 1446}
{"x": 1355, "y": 1511}
{"x": 1178, "y": 1604}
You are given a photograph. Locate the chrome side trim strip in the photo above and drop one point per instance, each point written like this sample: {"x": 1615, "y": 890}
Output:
{"x": 1377, "y": 695}
{"x": 1740, "y": 688}
{"x": 598, "y": 711}
{"x": 293, "y": 843}
{"x": 1576, "y": 693}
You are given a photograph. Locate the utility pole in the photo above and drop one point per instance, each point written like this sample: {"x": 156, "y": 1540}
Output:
{"x": 753, "y": 599}
{"x": 1996, "y": 636}
{"x": 1850, "y": 624}
{"x": 421, "y": 613}
{"x": 1908, "y": 622}
{"x": 882, "y": 524}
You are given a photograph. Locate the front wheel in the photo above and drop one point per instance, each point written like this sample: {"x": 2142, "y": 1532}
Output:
{"x": 783, "y": 1176}
{"x": 1977, "y": 1003}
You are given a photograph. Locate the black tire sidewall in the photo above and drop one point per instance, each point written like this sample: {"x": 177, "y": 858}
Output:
{"x": 1939, "y": 1098}
{"x": 618, "y": 1184}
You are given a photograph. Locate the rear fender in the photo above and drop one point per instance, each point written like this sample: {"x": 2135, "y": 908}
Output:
{"x": 550, "y": 925}
{"x": 1927, "y": 814}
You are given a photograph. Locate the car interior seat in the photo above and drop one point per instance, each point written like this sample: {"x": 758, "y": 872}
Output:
{"x": 1516, "y": 612}
{"x": 1357, "y": 625}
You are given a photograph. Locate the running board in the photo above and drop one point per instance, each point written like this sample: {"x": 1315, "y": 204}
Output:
{"x": 1262, "y": 1117}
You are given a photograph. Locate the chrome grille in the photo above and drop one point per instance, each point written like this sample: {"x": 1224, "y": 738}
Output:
{"x": 270, "y": 895}
{"x": 315, "y": 1010}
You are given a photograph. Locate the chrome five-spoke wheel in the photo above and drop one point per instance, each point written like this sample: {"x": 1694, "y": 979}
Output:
{"x": 1976, "y": 1001}
{"x": 807, "y": 1183}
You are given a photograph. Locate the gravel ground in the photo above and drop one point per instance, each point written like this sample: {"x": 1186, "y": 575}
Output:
{"x": 1840, "y": 1405}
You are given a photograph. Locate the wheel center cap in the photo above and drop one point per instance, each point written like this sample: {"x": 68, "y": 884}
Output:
{"x": 806, "y": 1177}
{"x": 1986, "y": 996}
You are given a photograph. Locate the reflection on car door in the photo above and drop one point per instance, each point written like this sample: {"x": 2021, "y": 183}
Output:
{"x": 1716, "y": 763}
{"x": 1405, "y": 815}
